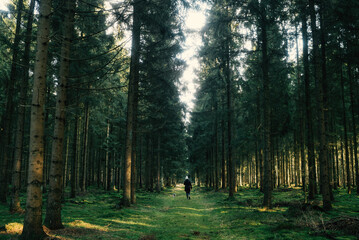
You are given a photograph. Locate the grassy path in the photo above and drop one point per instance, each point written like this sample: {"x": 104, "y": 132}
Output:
{"x": 180, "y": 218}
{"x": 208, "y": 215}
{"x": 155, "y": 216}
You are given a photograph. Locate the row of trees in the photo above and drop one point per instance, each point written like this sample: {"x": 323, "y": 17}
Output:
{"x": 98, "y": 117}
{"x": 283, "y": 111}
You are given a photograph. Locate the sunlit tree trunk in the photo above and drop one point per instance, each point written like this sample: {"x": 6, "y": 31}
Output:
{"x": 33, "y": 216}
{"x": 16, "y": 184}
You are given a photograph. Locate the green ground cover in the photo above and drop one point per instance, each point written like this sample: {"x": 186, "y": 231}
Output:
{"x": 208, "y": 215}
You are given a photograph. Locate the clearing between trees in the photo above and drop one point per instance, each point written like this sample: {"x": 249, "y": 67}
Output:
{"x": 208, "y": 215}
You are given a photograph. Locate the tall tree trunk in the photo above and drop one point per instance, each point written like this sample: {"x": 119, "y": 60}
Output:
{"x": 337, "y": 173}
{"x": 216, "y": 177}
{"x": 301, "y": 120}
{"x": 47, "y": 140}
{"x": 308, "y": 109}
{"x": 355, "y": 143}
{"x": 328, "y": 195}
{"x": 9, "y": 109}
{"x": 231, "y": 168}
{"x": 16, "y": 184}
{"x": 158, "y": 169}
{"x": 140, "y": 163}
{"x": 53, "y": 211}
{"x": 267, "y": 200}
{"x": 107, "y": 160}
{"x": 85, "y": 148}
{"x": 319, "y": 70}
{"x": 74, "y": 175}
{"x": 33, "y": 216}
{"x": 346, "y": 148}
{"x": 134, "y": 74}
{"x": 224, "y": 165}
{"x": 342, "y": 162}
{"x": 134, "y": 139}
{"x": 66, "y": 166}
{"x": 147, "y": 163}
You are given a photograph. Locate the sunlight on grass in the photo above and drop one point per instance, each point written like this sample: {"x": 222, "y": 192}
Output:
{"x": 132, "y": 223}
{"x": 80, "y": 223}
{"x": 208, "y": 216}
{"x": 193, "y": 209}
{"x": 14, "y": 228}
{"x": 270, "y": 210}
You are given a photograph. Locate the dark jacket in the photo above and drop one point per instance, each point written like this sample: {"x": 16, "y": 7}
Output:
{"x": 187, "y": 185}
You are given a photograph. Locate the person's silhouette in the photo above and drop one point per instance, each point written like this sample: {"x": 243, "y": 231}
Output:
{"x": 187, "y": 187}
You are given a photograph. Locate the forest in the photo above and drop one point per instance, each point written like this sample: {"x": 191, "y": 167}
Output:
{"x": 95, "y": 141}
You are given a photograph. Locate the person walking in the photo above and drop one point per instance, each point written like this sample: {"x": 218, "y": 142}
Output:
{"x": 187, "y": 187}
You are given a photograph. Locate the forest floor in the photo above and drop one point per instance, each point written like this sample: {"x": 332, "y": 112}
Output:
{"x": 208, "y": 215}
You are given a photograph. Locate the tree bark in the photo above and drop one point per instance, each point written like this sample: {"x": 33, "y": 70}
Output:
{"x": 224, "y": 165}
{"x": 107, "y": 156}
{"x": 16, "y": 184}
{"x": 134, "y": 139}
{"x": 267, "y": 200}
{"x": 74, "y": 164}
{"x": 33, "y": 216}
{"x": 231, "y": 170}
{"x": 66, "y": 166}
{"x": 301, "y": 122}
{"x": 346, "y": 148}
{"x": 319, "y": 70}
{"x": 85, "y": 148}
{"x": 215, "y": 150}
{"x": 148, "y": 164}
{"x": 158, "y": 169}
{"x": 308, "y": 109}
{"x": 134, "y": 74}
{"x": 53, "y": 211}
{"x": 355, "y": 143}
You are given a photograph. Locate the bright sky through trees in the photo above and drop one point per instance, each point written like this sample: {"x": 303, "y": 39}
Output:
{"x": 3, "y": 4}
{"x": 195, "y": 20}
